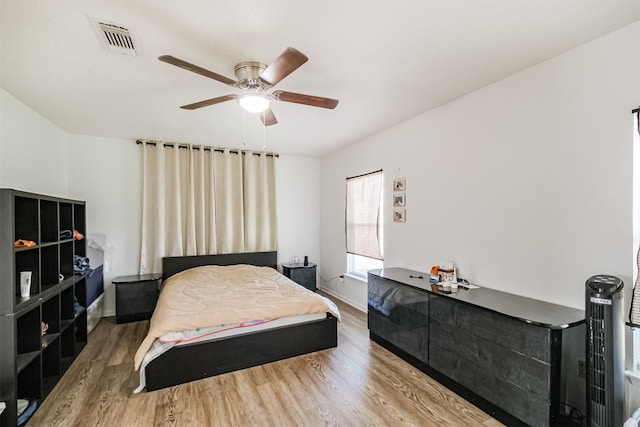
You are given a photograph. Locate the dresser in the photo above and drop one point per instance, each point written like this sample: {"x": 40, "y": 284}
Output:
{"x": 514, "y": 357}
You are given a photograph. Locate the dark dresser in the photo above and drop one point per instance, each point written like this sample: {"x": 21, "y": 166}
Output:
{"x": 515, "y": 357}
{"x": 304, "y": 275}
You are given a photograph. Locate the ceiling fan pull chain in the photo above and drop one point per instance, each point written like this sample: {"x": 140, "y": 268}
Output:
{"x": 264, "y": 131}
{"x": 244, "y": 127}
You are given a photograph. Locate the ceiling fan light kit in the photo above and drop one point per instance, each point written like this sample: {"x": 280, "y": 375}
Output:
{"x": 255, "y": 79}
{"x": 254, "y": 103}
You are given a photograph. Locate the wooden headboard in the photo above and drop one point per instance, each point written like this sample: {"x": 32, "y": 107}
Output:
{"x": 176, "y": 264}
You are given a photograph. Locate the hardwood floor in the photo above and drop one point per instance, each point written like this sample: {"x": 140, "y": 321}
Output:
{"x": 359, "y": 383}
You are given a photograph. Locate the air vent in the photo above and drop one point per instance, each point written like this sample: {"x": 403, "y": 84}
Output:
{"x": 116, "y": 37}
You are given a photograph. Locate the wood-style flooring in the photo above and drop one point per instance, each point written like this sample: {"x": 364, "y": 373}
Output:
{"x": 359, "y": 383}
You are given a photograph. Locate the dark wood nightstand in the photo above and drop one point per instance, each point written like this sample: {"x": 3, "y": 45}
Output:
{"x": 304, "y": 275}
{"x": 136, "y": 297}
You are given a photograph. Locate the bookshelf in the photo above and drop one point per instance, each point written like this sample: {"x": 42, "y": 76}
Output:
{"x": 34, "y": 359}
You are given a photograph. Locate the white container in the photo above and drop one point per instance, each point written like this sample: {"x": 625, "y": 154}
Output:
{"x": 25, "y": 284}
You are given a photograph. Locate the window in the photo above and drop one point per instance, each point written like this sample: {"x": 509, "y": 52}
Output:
{"x": 359, "y": 265}
{"x": 363, "y": 219}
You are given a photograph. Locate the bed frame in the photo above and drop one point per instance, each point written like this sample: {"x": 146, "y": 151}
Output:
{"x": 202, "y": 360}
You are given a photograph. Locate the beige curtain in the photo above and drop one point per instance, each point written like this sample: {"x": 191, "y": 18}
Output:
{"x": 198, "y": 201}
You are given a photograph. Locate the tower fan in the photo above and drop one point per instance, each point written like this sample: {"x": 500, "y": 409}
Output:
{"x": 605, "y": 362}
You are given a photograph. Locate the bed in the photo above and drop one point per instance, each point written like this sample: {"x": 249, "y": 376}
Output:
{"x": 218, "y": 354}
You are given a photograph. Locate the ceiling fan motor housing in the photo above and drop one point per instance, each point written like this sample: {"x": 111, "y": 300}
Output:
{"x": 248, "y": 72}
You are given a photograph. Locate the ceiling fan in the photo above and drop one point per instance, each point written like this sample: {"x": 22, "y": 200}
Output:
{"x": 255, "y": 79}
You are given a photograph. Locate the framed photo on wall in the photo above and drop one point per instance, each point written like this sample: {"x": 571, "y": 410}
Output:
{"x": 399, "y": 215}
{"x": 399, "y": 184}
{"x": 398, "y": 199}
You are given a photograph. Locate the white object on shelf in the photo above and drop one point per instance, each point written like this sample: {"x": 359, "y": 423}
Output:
{"x": 2, "y": 406}
{"x": 22, "y": 405}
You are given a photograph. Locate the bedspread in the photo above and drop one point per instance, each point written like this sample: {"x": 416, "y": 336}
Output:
{"x": 215, "y": 295}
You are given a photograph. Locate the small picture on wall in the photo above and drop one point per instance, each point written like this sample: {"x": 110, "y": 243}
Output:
{"x": 399, "y": 215}
{"x": 400, "y": 184}
{"x": 398, "y": 199}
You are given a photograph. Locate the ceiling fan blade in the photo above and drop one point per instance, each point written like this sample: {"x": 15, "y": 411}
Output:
{"x": 268, "y": 118}
{"x": 195, "y": 69}
{"x": 208, "y": 102}
{"x": 289, "y": 61}
{"x": 298, "y": 98}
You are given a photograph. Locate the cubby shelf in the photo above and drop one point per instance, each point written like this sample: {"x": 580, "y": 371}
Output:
{"x": 23, "y": 359}
{"x": 33, "y": 360}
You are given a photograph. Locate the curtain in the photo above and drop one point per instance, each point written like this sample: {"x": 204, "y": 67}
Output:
{"x": 200, "y": 200}
{"x": 362, "y": 215}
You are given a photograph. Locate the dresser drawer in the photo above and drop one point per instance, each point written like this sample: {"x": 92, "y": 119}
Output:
{"x": 524, "y": 405}
{"x": 385, "y": 296}
{"x": 513, "y": 334}
{"x": 521, "y": 370}
{"x": 136, "y": 301}
{"x": 410, "y": 334}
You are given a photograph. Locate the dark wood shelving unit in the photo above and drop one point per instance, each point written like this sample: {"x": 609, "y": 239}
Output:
{"x": 33, "y": 361}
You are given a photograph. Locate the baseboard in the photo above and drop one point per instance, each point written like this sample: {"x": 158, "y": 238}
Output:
{"x": 343, "y": 299}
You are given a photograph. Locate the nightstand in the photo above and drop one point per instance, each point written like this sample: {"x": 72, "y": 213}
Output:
{"x": 136, "y": 297}
{"x": 304, "y": 275}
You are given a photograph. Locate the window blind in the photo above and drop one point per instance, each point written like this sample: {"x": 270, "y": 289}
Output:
{"x": 362, "y": 215}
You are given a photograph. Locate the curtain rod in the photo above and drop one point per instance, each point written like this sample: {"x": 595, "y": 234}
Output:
{"x": 637, "y": 110}
{"x": 219, "y": 150}
{"x": 364, "y": 174}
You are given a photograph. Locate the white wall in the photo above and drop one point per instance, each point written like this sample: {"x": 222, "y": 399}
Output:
{"x": 37, "y": 156}
{"x": 33, "y": 151}
{"x": 298, "y": 201}
{"x": 105, "y": 172}
{"x": 526, "y": 184}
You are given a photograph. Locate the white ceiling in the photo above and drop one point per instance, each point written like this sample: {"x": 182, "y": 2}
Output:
{"x": 386, "y": 61}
